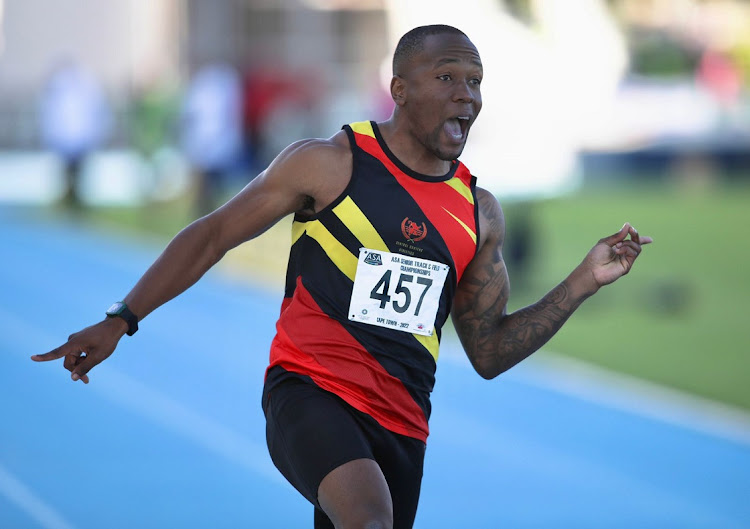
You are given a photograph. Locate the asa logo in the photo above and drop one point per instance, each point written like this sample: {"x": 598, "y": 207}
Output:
{"x": 373, "y": 259}
{"x": 412, "y": 231}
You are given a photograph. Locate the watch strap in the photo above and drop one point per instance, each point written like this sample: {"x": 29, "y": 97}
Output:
{"x": 121, "y": 310}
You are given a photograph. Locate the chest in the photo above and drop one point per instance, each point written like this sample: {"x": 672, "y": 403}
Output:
{"x": 432, "y": 220}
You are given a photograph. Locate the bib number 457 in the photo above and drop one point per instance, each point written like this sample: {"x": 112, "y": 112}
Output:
{"x": 381, "y": 292}
{"x": 396, "y": 291}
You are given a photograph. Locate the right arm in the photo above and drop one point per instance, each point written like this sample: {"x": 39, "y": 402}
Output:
{"x": 303, "y": 178}
{"x": 275, "y": 193}
{"x": 494, "y": 340}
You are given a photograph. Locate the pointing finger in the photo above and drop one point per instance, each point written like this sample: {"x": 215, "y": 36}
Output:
{"x": 54, "y": 354}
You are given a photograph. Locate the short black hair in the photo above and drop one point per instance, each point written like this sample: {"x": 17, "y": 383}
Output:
{"x": 413, "y": 41}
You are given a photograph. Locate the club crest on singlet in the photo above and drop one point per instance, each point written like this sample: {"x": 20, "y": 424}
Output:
{"x": 412, "y": 231}
{"x": 397, "y": 291}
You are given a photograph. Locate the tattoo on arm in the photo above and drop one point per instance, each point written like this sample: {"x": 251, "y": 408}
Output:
{"x": 528, "y": 329}
{"x": 495, "y": 342}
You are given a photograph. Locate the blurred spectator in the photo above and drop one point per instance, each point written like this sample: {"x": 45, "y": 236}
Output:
{"x": 278, "y": 109}
{"x": 154, "y": 113}
{"x": 75, "y": 119}
{"x": 521, "y": 244}
{"x": 720, "y": 76}
{"x": 211, "y": 134}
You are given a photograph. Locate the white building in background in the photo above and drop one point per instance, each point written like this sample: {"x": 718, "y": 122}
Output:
{"x": 122, "y": 45}
{"x": 122, "y": 41}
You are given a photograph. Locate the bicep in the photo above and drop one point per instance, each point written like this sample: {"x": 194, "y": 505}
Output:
{"x": 482, "y": 294}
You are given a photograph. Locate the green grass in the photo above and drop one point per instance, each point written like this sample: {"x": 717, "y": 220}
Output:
{"x": 679, "y": 318}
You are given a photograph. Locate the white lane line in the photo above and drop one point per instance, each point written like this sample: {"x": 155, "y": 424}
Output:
{"x": 603, "y": 387}
{"x": 162, "y": 410}
{"x": 25, "y": 499}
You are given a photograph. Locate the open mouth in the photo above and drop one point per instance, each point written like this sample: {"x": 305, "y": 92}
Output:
{"x": 457, "y": 127}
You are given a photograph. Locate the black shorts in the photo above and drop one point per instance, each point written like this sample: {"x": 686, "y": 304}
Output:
{"x": 311, "y": 431}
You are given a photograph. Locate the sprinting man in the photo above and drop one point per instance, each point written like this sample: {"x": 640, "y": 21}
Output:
{"x": 390, "y": 235}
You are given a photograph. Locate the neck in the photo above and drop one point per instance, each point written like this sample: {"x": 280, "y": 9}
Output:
{"x": 409, "y": 150}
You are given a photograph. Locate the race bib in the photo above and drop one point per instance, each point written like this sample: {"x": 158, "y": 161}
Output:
{"x": 397, "y": 291}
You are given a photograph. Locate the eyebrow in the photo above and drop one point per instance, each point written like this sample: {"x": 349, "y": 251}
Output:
{"x": 450, "y": 60}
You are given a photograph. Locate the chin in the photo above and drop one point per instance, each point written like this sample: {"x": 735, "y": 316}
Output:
{"x": 443, "y": 149}
{"x": 449, "y": 154}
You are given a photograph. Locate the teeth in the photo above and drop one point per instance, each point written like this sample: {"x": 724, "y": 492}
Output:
{"x": 463, "y": 118}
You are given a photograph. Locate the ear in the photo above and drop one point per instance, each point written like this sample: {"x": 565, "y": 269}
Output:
{"x": 398, "y": 90}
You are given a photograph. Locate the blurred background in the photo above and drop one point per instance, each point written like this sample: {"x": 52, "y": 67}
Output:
{"x": 134, "y": 117}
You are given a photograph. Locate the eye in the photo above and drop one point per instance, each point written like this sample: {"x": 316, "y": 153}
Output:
{"x": 445, "y": 77}
{"x": 475, "y": 81}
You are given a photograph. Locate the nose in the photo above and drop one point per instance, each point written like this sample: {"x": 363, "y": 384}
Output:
{"x": 463, "y": 93}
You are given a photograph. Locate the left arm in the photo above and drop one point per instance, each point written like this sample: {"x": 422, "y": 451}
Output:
{"x": 495, "y": 341}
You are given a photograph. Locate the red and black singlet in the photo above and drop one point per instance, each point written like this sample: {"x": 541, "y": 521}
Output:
{"x": 383, "y": 372}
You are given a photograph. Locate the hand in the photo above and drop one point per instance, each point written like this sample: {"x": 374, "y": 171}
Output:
{"x": 613, "y": 257}
{"x": 87, "y": 348}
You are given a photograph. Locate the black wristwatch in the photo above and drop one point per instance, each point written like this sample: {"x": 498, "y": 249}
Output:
{"x": 121, "y": 309}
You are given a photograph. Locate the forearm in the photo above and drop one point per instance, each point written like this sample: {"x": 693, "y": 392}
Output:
{"x": 495, "y": 342}
{"x": 182, "y": 263}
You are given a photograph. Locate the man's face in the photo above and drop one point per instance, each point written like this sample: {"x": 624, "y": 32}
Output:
{"x": 442, "y": 97}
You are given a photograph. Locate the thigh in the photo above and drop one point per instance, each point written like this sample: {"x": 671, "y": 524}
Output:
{"x": 400, "y": 462}
{"x": 310, "y": 432}
{"x": 401, "y": 459}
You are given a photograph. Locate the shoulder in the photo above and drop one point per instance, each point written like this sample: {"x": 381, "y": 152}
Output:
{"x": 313, "y": 153}
{"x": 491, "y": 217}
{"x": 317, "y": 168}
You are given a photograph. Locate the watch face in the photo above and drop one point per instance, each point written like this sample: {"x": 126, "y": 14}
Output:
{"x": 116, "y": 308}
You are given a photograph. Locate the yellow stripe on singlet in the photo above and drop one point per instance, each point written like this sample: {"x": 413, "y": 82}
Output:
{"x": 468, "y": 230}
{"x": 463, "y": 189}
{"x": 336, "y": 252}
{"x": 363, "y": 127}
{"x": 359, "y": 225}
{"x": 430, "y": 343}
